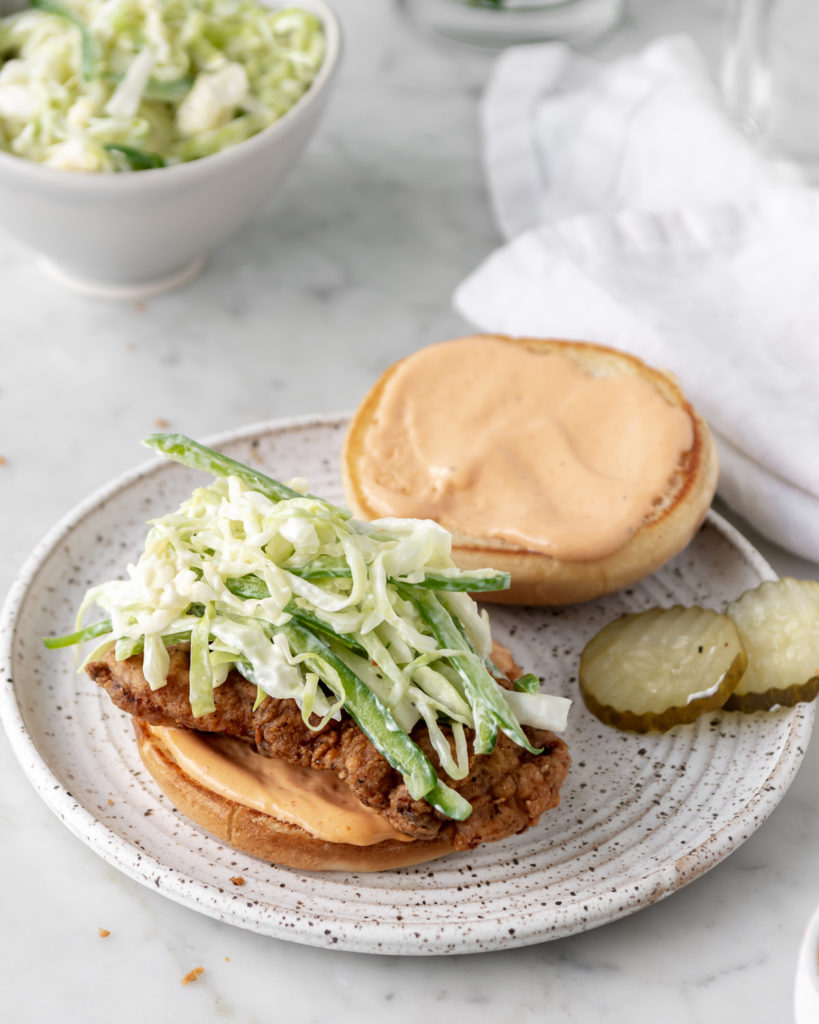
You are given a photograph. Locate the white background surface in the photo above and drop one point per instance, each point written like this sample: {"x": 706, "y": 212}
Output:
{"x": 351, "y": 267}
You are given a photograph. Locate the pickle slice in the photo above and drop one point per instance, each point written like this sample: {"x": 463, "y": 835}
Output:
{"x": 778, "y": 623}
{"x": 660, "y": 668}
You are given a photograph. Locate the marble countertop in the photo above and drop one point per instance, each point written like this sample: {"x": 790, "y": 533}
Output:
{"x": 352, "y": 266}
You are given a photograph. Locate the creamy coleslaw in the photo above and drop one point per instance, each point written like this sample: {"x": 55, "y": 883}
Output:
{"x": 112, "y": 85}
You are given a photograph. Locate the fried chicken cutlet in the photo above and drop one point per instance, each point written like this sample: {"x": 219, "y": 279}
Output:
{"x": 509, "y": 789}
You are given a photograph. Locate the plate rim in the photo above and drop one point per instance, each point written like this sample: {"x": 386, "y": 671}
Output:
{"x": 656, "y": 884}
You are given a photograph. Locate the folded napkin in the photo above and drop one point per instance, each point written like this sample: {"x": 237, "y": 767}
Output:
{"x": 641, "y": 218}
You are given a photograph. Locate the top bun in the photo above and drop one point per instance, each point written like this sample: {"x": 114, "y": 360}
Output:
{"x": 542, "y": 573}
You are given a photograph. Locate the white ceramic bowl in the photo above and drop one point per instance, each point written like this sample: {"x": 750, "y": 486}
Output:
{"x": 806, "y": 995}
{"x": 136, "y": 233}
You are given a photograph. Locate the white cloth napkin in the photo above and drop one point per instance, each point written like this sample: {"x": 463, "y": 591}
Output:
{"x": 641, "y": 218}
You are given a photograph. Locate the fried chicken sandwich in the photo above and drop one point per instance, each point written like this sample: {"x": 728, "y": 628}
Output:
{"x": 317, "y": 691}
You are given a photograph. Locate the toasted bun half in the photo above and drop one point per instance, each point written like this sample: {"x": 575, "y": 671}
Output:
{"x": 539, "y": 578}
{"x": 263, "y": 836}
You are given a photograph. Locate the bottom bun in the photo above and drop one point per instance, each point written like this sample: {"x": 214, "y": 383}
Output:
{"x": 266, "y": 837}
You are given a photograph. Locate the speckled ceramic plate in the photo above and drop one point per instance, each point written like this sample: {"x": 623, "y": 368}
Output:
{"x": 640, "y": 817}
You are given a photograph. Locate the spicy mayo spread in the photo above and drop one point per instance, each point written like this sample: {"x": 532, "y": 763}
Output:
{"x": 317, "y": 801}
{"x": 496, "y": 440}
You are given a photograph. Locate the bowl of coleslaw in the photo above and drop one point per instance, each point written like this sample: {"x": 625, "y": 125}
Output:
{"x": 135, "y": 135}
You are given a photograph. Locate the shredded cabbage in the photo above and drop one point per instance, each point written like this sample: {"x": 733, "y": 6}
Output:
{"x": 230, "y": 566}
{"x": 311, "y": 605}
{"x": 109, "y": 85}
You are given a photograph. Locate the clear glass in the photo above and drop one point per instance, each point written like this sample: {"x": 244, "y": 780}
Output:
{"x": 499, "y": 23}
{"x": 770, "y": 78}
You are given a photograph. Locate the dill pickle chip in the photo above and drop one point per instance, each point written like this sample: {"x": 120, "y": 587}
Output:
{"x": 778, "y": 623}
{"x": 660, "y": 668}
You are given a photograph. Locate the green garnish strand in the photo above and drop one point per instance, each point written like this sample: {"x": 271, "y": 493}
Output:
{"x": 89, "y": 48}
{"x": 478, "y": 581}
{"x": 527, "y": 684}
{"x": 183, "y": 449}
{"x": 253, "y": 588}
{"x": 314, "y": 622}
{"x": 80, "y": 636}
{"x": 136, "y": 159}
{"x": 127, "y": 648}
{"x": 489, "y": 709}
{"x": 323, "y": 569}
{"x": 377, "y": 723}
{"x": 463, "y": 582}
{"x": 168, "y": 92}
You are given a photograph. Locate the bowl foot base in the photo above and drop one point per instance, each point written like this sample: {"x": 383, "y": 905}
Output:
{"x": 123, "y": 290}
